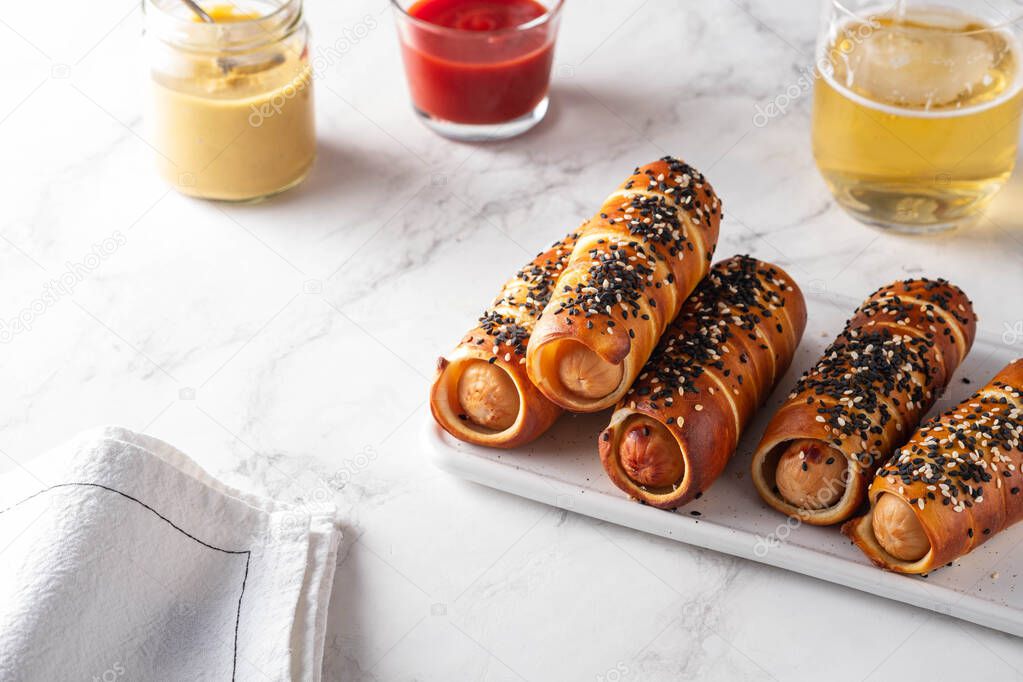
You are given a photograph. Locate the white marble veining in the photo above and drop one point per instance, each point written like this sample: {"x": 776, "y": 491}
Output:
{"x": 288, "y": 346}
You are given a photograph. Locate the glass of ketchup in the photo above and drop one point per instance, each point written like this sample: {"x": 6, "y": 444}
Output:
{"x": 478, "y": 70}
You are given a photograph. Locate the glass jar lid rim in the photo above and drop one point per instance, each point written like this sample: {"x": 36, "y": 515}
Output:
{"x": 173, "y": 22}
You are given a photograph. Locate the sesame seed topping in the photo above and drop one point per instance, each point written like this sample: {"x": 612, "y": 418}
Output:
{"x": 737, "y": 306}
{"x": 508, "y": 323}
{"x": 884, "y": 371}
{"x": 648, "y": 230}
{"x": 959, "y": 453}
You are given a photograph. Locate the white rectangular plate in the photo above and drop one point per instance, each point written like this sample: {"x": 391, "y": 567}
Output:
{"x": 562, "y": 468}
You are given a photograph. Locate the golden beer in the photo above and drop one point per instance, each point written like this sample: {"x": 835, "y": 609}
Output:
{"x": 916, "y": 116}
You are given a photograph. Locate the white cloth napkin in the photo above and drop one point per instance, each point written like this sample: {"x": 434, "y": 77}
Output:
{"x": 132, "y": 563}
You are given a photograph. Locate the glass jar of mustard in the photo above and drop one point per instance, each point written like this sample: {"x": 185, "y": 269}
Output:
{"x": 230, "y": 111}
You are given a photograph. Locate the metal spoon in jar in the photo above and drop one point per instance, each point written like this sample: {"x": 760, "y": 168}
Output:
{"x": 199, "y": 11}
{"x": 228, "y": 65}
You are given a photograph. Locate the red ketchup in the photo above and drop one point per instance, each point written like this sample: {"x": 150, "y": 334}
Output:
{"x": 478, "y": 69}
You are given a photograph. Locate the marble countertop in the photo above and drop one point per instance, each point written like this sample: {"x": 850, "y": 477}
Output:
{"x": 288, "y": 346}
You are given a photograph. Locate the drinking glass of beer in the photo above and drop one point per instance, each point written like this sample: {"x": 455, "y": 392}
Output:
{"x": 917, "y": 108}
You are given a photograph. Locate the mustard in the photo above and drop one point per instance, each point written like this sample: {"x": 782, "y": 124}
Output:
{"x": 234, "y": 124}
